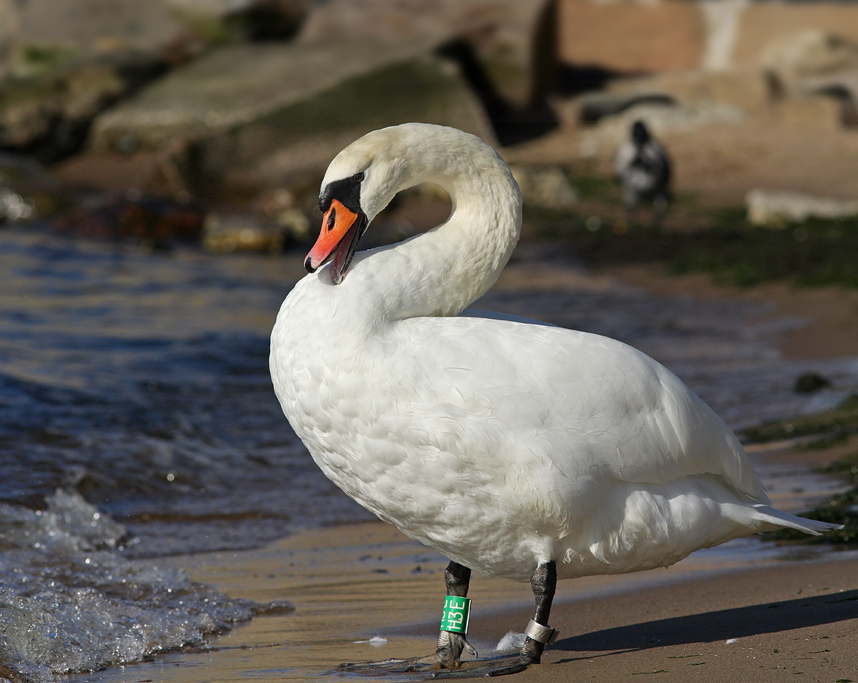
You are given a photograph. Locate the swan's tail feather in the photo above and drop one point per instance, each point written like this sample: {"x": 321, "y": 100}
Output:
{"x": 766, "y": 513}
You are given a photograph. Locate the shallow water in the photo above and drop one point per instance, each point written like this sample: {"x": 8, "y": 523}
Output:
{"x": 70, "y": 602}
{"x": 138, "y": 382}
{"x": 141, "y": 380}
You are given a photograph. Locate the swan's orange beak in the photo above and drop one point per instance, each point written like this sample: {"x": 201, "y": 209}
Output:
{"x": 341, "y": 230}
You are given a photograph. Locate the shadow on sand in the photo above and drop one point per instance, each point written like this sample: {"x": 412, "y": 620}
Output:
{"x": 719, "y": 625}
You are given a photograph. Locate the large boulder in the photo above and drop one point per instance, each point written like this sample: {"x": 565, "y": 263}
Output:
{"x": 745, "y": 89}
{"x": 48, "y": 116}
{"x": 97, "y": 25}
{"x": 247, "y": 117}
{"x": 663, "y": 120}
{"x": 816, "y": 67}
{"x": 64, "y": 61}
{"x": 512, "y": 42}
{"x": 10, "y": 20}
{"x": 231, "y": 20}
{"x": 629, "y": 37}
{"x": 810, "y": 52}
{"x": 794, "y": 32}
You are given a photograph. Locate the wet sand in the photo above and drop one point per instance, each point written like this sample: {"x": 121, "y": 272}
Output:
{"x": 746, "y": 612}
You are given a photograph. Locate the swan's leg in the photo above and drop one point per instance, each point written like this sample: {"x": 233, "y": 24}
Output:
{"x": 539, "y": 634}
{"x": 450, "y": 646}
{"x": 544, "y": 583}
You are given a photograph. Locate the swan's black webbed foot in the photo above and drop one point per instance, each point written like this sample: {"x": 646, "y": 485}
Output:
{"x": 485, "y": 668}
{"x": 447, "y": 656}
{"x": 444, "y": 666}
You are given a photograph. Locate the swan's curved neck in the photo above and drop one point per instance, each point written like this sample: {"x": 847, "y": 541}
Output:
{"x": 444, "y": 270}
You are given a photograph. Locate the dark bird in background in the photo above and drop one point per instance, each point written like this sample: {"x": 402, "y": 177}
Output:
{"x": 643, "y": 168}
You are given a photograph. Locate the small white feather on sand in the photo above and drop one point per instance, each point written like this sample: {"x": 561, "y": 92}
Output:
{"x": 511, "y": 641}
{"x": 375, "y": 641}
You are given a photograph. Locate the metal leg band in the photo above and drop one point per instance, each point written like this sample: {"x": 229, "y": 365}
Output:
{"x": 540, "y": 633}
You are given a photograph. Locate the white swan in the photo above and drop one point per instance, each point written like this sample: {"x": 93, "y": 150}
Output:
{"x": 516, "y": 449}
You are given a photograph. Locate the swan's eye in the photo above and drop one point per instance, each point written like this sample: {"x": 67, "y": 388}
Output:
{"x": 358, "y": 177}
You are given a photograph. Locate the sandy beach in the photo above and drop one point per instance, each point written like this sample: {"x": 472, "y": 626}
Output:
{"x": 748, "y": 611}
{"x": 738, "y": 615}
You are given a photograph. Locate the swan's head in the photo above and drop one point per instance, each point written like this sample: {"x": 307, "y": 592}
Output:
{"x": 359, "y": 183}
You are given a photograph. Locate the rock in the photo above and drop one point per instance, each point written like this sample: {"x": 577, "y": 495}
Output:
{"x": 611, "y": 131}
{"x": 596, "y": 106}
{"x": 816, "y": 110}
{"x": 513, "y": 41}
{"x": 810, "y": 52}
{"x": 99, "y": 26}
{"x": 70, "y": 59}
{"x": 112, "y": 173}
{"x": 249, "y": 117}
{"x": 745, "y": 89}
{"x": 627, "y": 38}
{"x": 505, "y": 49}
{"x": 546, "y": 187}
{"x": 10, "y": 21}
{"x": 765, "y": 25}
{"x": 236, "y": 20}
{"x": 810, "y": 382}
{"x": 777, "y": 208}
{"x": 48, "y": 116}
{"x": 281, "y": 207}
{"x": 814, "y": 64}
{"x": 52, "y": 92}
{"x": 156, "y": 221}
{"x": 241, "y": 232}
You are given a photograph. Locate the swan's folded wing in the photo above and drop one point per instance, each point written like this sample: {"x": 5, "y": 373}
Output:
{"x": 591, "y": 405}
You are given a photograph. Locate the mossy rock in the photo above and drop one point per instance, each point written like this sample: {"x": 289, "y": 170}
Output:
{"x": 257, "y": 115}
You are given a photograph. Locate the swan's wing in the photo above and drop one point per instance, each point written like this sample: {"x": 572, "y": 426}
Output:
{"x": 590, "y": 405}
{"x": 492, "y": 315}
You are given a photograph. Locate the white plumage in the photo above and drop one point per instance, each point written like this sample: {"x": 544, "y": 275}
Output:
{"x": 500, "y": 443}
